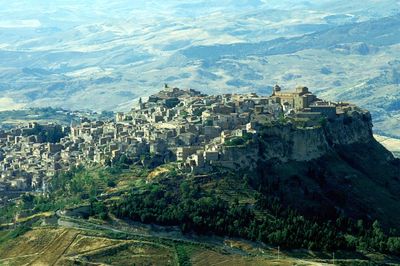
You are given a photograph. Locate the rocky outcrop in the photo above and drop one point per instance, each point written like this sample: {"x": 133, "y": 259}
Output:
{"x": 242, "y": 156}
{"x": 286, "y": 142}
{"x": 352, "y": 127}
{"x": 289, "y": 142}
{"x": 335, "y": 169}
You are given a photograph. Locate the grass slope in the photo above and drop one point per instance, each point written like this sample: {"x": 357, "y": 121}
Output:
{"x": 64, "y": 246}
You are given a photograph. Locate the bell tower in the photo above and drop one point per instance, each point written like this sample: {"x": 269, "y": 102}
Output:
{"x": 141, "y": 104}
{"x": 276, "y": 90}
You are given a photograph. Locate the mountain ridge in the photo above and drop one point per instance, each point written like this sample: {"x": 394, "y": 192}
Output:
{"x": 310, "y": 41}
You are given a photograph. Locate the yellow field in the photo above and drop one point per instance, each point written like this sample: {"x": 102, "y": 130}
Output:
{"x": 68, "y": 246}
{"x": 62, "y": 246}
{"x": 206, "y": 257}
{"x": 133, "y": 253}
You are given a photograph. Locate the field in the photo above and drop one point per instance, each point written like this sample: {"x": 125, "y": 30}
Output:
{"x": 70, "y": 246}
{"x": 391, "y": 144}
{"x": 62, "y": 246}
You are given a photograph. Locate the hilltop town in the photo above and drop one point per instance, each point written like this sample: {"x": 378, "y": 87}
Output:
{"x": 182, "y": 164}
{"x": 185, "y": 126}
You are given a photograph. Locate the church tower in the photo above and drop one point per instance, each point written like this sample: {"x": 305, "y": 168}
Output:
{"x": 141, "y": 104}
{"x": 276, "y": 90}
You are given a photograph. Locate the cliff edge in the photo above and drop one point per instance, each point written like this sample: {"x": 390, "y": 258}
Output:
{"x": 330, "y": 170}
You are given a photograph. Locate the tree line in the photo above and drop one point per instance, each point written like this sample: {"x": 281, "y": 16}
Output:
{"x": 194, "y": 209}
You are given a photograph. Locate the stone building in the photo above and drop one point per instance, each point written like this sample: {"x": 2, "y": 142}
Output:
{"x": 299, "y": 99}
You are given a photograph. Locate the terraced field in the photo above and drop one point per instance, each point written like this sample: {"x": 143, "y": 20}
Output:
{"x": 61, "y": 246}
{"x": 67, "y": 246}
{"x": 133, "y": 253}
{"x": 70, "y": 246}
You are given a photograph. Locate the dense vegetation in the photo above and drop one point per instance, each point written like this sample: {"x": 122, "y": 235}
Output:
{"x": 72, "y": 188}
{"x": 200, "y": 210}
{"x": 7, "y": 213}
{"x": 12, "y": 234}
{"x": 239, "y": 140}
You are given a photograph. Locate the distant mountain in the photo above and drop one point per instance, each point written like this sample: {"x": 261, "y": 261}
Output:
{"x": 375, "y": 33}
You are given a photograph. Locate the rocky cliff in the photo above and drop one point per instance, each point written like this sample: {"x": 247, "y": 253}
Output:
{"x": 288, "y": 141}
{"x": 332, "y": 169}
{"x": 351, "y": 127}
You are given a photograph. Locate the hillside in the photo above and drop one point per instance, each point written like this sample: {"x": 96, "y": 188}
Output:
{"x": 13, "y": 118}
{"x": 391, "y": 144}
{"x": 326, "y": 188}
{"x": 253, "y": 168}
{"x": 67, "y": 246}
{"x": 337, "y": 172}
{"x": 382, "y": 32}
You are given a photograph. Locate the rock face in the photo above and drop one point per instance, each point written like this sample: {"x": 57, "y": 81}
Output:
{"x": 353, "y": 127}
{"x": 336, "y": 168}
{"x": 288, "y": 142}
{"x": 243, "y": 156}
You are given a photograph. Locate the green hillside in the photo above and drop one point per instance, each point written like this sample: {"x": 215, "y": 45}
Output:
{"x": 344, "y": 201}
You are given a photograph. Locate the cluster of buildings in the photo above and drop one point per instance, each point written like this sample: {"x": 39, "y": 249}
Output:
{"x": 26, "y": 157}
{"x": 174, "y": 125}
{"x": 303, "y": 104}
